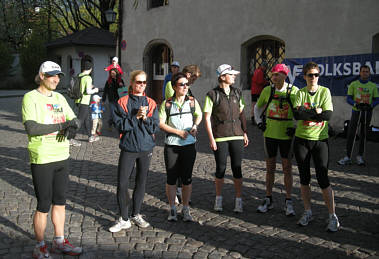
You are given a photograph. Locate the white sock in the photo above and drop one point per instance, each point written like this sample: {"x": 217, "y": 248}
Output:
{"x": 239, "y": 199}
{"x": 59, "y": 239}
{"x": 173, "y": 207}
{"x": 332, "y": 214}
{"x": 218, "y": 197}
{"x": 40, "y": 244}
{"x": 309, "y": 212}
{"x": 185, "y": 207}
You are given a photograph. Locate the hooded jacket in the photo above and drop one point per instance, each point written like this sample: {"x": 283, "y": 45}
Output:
{"x": 136, "y": 135}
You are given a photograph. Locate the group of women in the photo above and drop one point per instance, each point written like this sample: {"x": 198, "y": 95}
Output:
{"x": 138, "y": 118}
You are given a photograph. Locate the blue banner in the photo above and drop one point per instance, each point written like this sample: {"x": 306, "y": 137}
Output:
{"x": 336, "y": 72}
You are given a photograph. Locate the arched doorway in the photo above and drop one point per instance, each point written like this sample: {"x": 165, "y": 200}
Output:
{"x": 156, "y": 59}
{"x": 255, "y": 51}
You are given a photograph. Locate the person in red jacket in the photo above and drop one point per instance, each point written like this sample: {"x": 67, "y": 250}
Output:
{"x": 114, "y": 65}
{"x": 258, "y": 82}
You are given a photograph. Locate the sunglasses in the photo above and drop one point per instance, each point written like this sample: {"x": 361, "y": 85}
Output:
{"x": 183, "y": 84}
{"x": 140, "y": 82}
{"x": 313, "y": 75}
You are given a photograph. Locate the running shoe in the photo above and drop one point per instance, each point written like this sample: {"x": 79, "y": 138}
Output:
{"x": 119, "y": 225}
{"x": 139, "y": 221}
{"x": 288, "y": 208}
{"x": 344, "y": 161}
{"x": 66, "y": 248}
{"x": 186, "y": 214}
{"x": 333, "y": 224}
{"x": 305, "y": 219}
{"x": 360, "y": 161}
{"x": 265, "y": 206}
{"x": 75, "y": 143}
{"x": 238, "y": 206}
{"x": 172, "y": 216}
{"x": 41, "y": 252}
{"x": 218, "y": 203}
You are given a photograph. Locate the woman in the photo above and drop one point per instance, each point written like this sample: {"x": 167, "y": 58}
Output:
{"x": 110, "y": 91}
{"x": 225, "y": 123}
{"x": 136, "y": 118}
{"x": 179, "y": 116}
{"x": 313, "y": 110}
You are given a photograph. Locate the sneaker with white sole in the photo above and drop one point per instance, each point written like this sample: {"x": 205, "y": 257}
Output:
{"x": 238, "y": 206}
{"x": 344, "y": 161}
{"x": 41, "y": 252}
{"x": 265, "y": 206}
{"x": 360, "y": 161}
{"x": 186, "y": 214}
{"x": 75, "y": 143}
{"x": 119, "y": 225}
{"x": 172, "y": 216}
{"x": 139, "y": 221}
{"x": 288, "y": 208}
{"x": 66, "y": 248}
{"x": 305, "y": 219}
{"x": 333, "y": 224}
{"x": 218, "y": 203}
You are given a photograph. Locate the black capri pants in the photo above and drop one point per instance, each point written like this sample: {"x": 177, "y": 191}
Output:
{"x": 304, "y": 149}
{"x": 179, "y": 161}
{"x": 271, "y": 146}
{"x": 235, "y": 149}
{"x": 50, "y": 182}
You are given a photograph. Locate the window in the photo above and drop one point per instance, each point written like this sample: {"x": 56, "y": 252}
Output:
{"x": 271, "y": 51}
{"x": 156, "y": 3}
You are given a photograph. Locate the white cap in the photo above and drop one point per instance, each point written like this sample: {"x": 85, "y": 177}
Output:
{"x": 50, "y": 68}
{"x": 115, "y": 59}
{"x": 175, "y": 63}
{"x": 96, "y": 97}
{"x": 226, "y": 69}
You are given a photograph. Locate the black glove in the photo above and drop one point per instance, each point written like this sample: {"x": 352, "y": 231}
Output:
{"x": 70, "y": 132}
{"x": 290, "y": 132}
{"x": 363, "y": 106}
{"x": 74, "y": 123}
{"x": 262, "y": 126}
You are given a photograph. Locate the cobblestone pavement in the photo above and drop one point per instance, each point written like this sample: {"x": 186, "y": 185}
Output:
{"x": 92, "y": 207}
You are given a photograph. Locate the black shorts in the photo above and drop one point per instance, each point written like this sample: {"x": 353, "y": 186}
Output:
{"x": 179, "y": 161}
{"x": 255, "y": 97}
{"x": 271, "y": 146}
{"x": 50, "y": 182}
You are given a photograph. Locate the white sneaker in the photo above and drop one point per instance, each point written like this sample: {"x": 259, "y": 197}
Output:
{"x": 265, "y": 206}
{"x": 75, "y": 143}
{"x": 305, "y": 219}
{"x": 172, "y": 216}
{"x": 218, "y": 203}
{"x": 238, "y": 206}
{"x": 360, "y": 161}
{"x": 119, "y": 225}
{"x": 139, "y": 221}
{"x": 186, "y": 214}
{"x": 344, "y": 161}
{"x": 288, "y": 208}
{"x": 333, "y": 224}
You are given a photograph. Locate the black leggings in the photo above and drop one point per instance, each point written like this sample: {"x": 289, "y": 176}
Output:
{"x": 319, "y": 150}
{"x": 179, "y": 162}
{"x": 235, "y": 149}
{"x": 126, "y": 164}
{"x": 365, "y": 117}
{"x": 50, "y": 182}
{"x": 84, "y": 118}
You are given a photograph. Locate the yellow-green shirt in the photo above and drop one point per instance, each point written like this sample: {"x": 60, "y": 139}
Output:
{"x": 42, "y": 109}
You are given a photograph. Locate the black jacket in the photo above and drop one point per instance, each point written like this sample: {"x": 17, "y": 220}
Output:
{"x": 137, "y": 135}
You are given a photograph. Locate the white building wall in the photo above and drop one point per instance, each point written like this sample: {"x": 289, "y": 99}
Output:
{"x": 210, "y": 32}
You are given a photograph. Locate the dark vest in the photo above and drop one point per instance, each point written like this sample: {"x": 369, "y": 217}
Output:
{"x": 225, "y": 113}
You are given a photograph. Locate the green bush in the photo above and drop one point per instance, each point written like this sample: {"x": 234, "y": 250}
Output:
{"x": 6, "y": 58}
{"x": 32, "y": 55}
